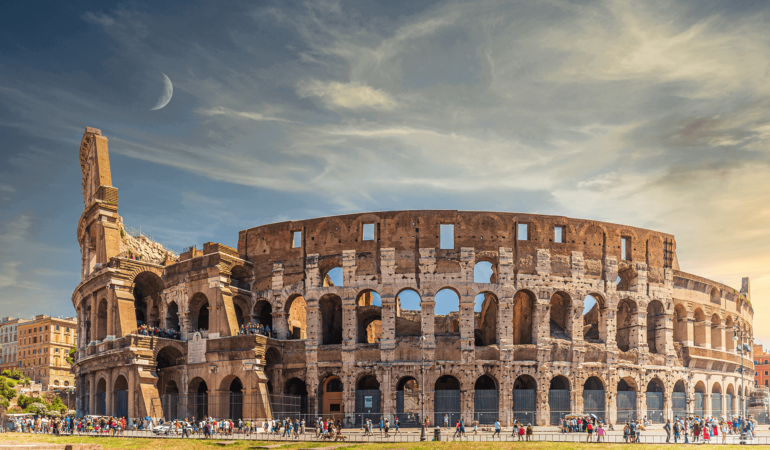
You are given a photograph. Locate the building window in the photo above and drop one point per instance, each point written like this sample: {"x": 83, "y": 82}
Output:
{"x": 447, "y": 236}
{"x": 368, "y": 232}
{"x": 67, "y": 330}
{"x": 522, "y": 232}
{"x": 558, "y": 234}
{"x": 765, "y": 372}
{"x": 297, "y": 241}
{"x": 625, "y": 248}
{"x": 57, "y": 327}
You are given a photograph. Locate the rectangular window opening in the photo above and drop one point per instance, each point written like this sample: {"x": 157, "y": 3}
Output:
{"x": 447, "y": 237}
{"x": 368, "y": 232}
{"x": 297, "y": 241}
{"x": 558, "y": 234}
{"x": 625, "y": 248}
{"x": 334, "y": 407}
{"x": 522, "y": 232}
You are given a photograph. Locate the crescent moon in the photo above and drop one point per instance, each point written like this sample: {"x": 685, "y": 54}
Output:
{"x": 168, "y": 91}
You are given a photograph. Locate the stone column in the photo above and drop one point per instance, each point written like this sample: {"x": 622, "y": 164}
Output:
{"x": 94, "y": 309}
{"x": 575, "y": 321}
{"x": 541, "y": 328}
{"x": 543, "y": 407}
{"x": 610, "y": 406}
{"x": 668, "y": 407}
{"x": 109, "y": 394}
{"x": 280, "y": 324}
{"x": 131, "y": 391}
{"x": 388, "y": 314}
{"x": 721, "y": 332}
{"x": 608, "y": 326}
{"x": 91, "y": 393}
{"x": 467, "y": 327}
{"x": 427, "y": 318}
{"x": 690, "y": 330}
{"x": 706, "y": 329}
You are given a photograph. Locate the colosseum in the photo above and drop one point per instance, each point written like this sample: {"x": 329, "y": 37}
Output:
{"x": 485, "y": 315}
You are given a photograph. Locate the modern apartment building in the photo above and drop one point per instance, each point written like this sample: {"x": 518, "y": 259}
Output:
{"x": 9, "y": 334}
{"x": 762, "y": 366}
{"x": 44, "y": 344}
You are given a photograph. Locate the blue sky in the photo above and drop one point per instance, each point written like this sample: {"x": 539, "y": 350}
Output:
{"x": 652, "y": 114}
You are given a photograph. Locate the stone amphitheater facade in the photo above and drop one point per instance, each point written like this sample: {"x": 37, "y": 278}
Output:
{"x": 658, "y": 342}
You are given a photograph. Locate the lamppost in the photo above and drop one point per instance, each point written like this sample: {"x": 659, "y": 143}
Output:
{"x": 741, "y": 350}
{"x": 422, "y": 388}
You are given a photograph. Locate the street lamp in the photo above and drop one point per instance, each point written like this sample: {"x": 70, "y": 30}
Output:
{"x": 422, "y": 388}
{"x": 741, "y": 370}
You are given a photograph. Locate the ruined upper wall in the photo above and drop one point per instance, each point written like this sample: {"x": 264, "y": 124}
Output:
{"x": 486, "y": 232}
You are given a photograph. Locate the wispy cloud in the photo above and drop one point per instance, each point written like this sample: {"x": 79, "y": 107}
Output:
{"x": 346, "y": 95}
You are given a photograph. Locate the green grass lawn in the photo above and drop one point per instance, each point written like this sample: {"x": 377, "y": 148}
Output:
{"x": 200, "y": 444}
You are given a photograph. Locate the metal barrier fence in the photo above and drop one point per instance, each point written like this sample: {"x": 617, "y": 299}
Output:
{"x": 559, "y": 402}
{"x": 626, "y": 406}
{"x": 655, "y": 409}
{"x": 413, "y": 435}
{"x": 524, "y": 405}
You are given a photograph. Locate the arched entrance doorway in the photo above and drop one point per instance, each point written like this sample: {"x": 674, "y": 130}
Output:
{"x": 716, "y": 400}
{"x": 408, "y": 401}
{"x": 236, "y": 400}
{"x": 172, "y": 316}
{"x": 679, "y": 400}
{"x": 331, "y": 399}
{"x": 198, "y": 398}
{"x": 525, "y": 399}
{"x": 446, "y": 400}
{"x": 121, "y": 397}
{"x": 593, "y": 397}
{"x": 699, "y": 399}
{"x": 170, "y": 400}
{"x": 101, "y": 397}
{"x": 626, "y": 401}
{"x": 368, "y": 400}
{"x": 654, "y": 396}
{"x": 559, "y": 398}
{"x": 486, "y": 400}
{"x": 293, "y": 402}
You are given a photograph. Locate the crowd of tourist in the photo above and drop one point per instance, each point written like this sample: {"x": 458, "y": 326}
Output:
{"x": 254, "y": 328}
{"x": 167, "y": 333}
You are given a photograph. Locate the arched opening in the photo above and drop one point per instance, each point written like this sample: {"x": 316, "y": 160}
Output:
{"x": 680, "y": 324}
{"x": 236, "y": 400}
{"x": 293, "y": 401}
{"x": 627, "y": 330}
{"x": 656, "y": 327}
{"x": 199, "y": 313}
{"x": 169, "y": 400}
{"x": 523, "y": 312}
{"x": 446, "y": 317}
{"x": 716, "y": 296}
{"x": 484, "y": 272}
{"x": 700, "y": 399}
{"x": 485, "y": 319}
{"x": 408, "y": 401}
{"x": 486, "y": 400}
{"x": 198, "y": 398}
{"x": 446, "y": 400}
{"x": 146, "y": 291}
{"x": 121, "y": 396}
{"x": 369, "y": 316}
{"x": 331, "y": 319}
{"x": 729, "y": 403}
{"x": 172, "y": 316}
{"x": 626, "y": 400}
{"x": 525, "y": 399}
{"x": 368, "y": 400}
{"x": 716, "y": 332}
{"x": 272, "y": 356}
{"x": 593, "y": 397}
{"x": 169, "y": 356}
{"x": 699, "y": 328}
{"x": 101, "y": 320}
{"x": 241, "y": 310}
{"x": 101, "y": 397}
{"x": 408, "y": 313}
{"x": 716, "y": 400}
{"x": 595, "y": 319}
{"x": 679, "y": 400}
{"x": 729, "y": 344}
{"x": 296, "y": 308}
{"x": 263, "y": 313}
{"x": 334, "y": 277}
{"x": 240, "y": 278}
{"x": 561, "y": 312}
{"x": 654, "y": 396}
{"x": 331, "y": 398}
{"x": 559, "y": 398}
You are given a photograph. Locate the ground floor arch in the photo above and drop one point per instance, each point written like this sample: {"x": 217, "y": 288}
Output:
{"x": 559, "y": 398}
{"x": 446, "y": 400}
{"x": 368, "y": 400}
{"x": 486, "y": 400}
{"x": 525, "y": 399}
{"x": 593, "y": 397}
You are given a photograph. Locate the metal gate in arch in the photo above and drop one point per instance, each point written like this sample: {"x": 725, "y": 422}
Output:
{"x": 559, "y": 403}
{"x": 525, "y": 406}
{"x": 485, "y": 406}
{"x": 593, "y": 403}
{"x": 655, "y": 407}
{"x": 626, "y": 402}
{"x": 368, "y": 405}
{"x": 121, "y": 406}
{"x": 679, "y": 404}
{"x": 446, "y": 403}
